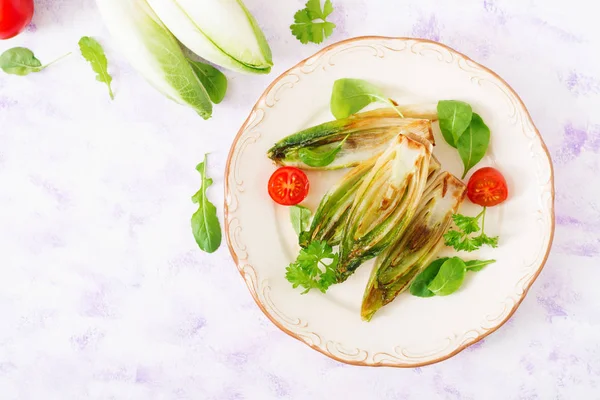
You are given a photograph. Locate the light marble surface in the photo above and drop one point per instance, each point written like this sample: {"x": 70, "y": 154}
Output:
{"x": 104, "y": 294}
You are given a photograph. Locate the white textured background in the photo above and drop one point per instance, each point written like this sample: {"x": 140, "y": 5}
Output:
{"x": 104, "y": 294}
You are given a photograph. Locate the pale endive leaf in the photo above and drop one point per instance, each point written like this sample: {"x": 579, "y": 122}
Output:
{"x": 154, "y": 52}
{"x": 220, "y": 31}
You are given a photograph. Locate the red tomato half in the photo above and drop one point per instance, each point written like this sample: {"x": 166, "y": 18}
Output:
{"x": 288, "y": 186}
{"x": 487, "y": 187}
{"x": 14, "y": 16}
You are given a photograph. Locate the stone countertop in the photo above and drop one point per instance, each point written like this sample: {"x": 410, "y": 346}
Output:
{"x": 105, "y": 295}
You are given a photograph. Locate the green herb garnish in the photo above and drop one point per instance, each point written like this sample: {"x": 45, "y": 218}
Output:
{"x": 461, "y": 240}
{"x": 314, "y": 268}
{"x": 310, "y": 24}
{"x": 93, "y": 52}
{"x": 300, "y": 217}
{"x": 205, "y": 224}
{"x": 21, "y": 61}
{"x": 213, "y": 80}
{"x": 349, "y": 96}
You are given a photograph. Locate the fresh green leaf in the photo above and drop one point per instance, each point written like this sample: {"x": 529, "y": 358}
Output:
{"x": 205, "y": 224}
{"x": 300, "y": 217}
{"x": 419, "y": 286}
{"x": 314, "y": 267}
{"x": 466, "y": 224}
{"x": 449, "y": 278}
{"x": 320, "y": 158}
{"x": 454, "y": 116}
{"x": 310, "y": 23}
{"x": 93, "y": 52}
{"x": 21, "y": 61}
{"x": 349, "y": 96}
{"x": 213, "y": 80}
{"x": 477, "y": 265}
{"x": 473, "y": 143}
{"x": 485, "y": 239}
{"x": 461, "y": 241}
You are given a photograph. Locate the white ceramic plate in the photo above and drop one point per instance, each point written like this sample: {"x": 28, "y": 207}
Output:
{"x": 411, "y": 331}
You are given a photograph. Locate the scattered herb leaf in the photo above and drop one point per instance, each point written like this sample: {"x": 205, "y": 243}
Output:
{"x": 300, "y": 217}
{"x": 213, "y": 80}
{"x": 21, "y": 61}
{"x": 205, "y": 224}
{"x": 314, "y": 268}
{"x": 473, "y": 143}
{"x": 93, "y": 52}
{"x": 419, "y": 286}
{"x": 477, "y": 265}
{"x": 349, "y": 96}
{"x": 449, "y": 278}
{"x": 320, "y": 158}
{"x": 454, "y": 116}
{"x": 461, "y": 241}
{"x": 310, "y": 24}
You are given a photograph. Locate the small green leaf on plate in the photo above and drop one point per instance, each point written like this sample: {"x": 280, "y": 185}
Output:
{"x": 320, "y": 158}
{"x": 455, "y": 117}
{"x": 300, "y": 217}
{"x": 419, "y": 286}
{"x": 449, "y": 278}
{"x": 478, "y": 265}
{"x": 473, "y": 143}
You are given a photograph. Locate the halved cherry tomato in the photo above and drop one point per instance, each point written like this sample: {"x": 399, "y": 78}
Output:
{"x": 14, "y": 16}
{"x": 487, "y": 187}
{"x": 288, "y": 186}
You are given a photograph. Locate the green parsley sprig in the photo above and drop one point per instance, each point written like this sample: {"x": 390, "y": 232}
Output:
{"x": 310, "y": 23}
{"x": 461, "y": 239}
{"x": 314, "y": 268}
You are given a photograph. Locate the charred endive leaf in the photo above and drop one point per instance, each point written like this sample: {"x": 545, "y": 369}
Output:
{"x": 332, "y": 213}
{"x": 385, "y": 202}
{"x": 367, "y": 133}
{"x": 406, "y": 256}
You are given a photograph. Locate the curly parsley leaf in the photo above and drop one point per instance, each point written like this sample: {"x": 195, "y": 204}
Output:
{"x": 314, "y": 268}
{"x": 310, "y": 23}
{"x": 461, "y": 241}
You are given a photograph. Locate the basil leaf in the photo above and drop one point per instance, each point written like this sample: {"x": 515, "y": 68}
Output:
{"x": 419, "y": 286}
{"x": 93, "y": 52}
{"x": 478, "y": 265}
{"x": 320, "y": 158}
{"x": 20, "y": 61}
{"x": 349, "y": 96}
{"x": 455, "y": 117}
{"x": 213, "y": 80}
{"x": 205, "y": 224}
{"x": 473, "y": 144}
{"x": 300, "y": 217}
{"x": 449, "y": 278}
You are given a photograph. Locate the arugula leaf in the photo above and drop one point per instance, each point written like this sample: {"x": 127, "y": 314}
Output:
{"x": 419, "y": 286}
{"x": 314, "y": 267}
{"x": 461, "y": 241}
{"x": 449, "y": 278}
{"x": 454, "y": 116}
{"x": 320, "y": 158}
{"x": 349, "y": 96}
{"x": 213, "y": 80}
{"x": 205, "y": 224}
{"x": 473, "y": 143}
{"x": 93, "y": 52}
{"x": 21, "y": 61}
{"x": 477, "y": 265}
{"x": 300, "y": 217}
{"x": 310, "y": 23}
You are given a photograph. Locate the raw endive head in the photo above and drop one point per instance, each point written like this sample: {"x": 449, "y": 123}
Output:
{"x": 154, "y": 53}
{"x": 220, "y": 31}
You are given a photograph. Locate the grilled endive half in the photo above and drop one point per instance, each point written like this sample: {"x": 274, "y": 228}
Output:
{"x": 331, "y": 215}
{"x": 365, "y": 134}
{"x": 406, "y": 256}
{"x": 385, "y": 202}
